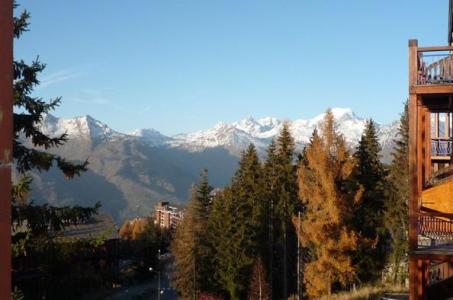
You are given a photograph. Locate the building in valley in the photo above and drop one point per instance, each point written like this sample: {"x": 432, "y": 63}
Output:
{"x": 168, "y": 216}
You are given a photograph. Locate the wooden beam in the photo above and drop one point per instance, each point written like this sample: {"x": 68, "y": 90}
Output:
{"x": 6, "y": 137}
{"x": 433, "y": 255}
{"x": 413, "y": 196}
{"x": 431, "y": 89}
{"x": 421, "y": 164}
{"x": 413, "y": 278}
{"x": 413, "y": 62}
{"x": 434, "y": 49}
{"x": 427, "y": 159}
{"x": 413, "y": 179}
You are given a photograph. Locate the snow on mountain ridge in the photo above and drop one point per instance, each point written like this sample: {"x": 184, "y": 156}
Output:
{"x": 81, "y": 127}
{"x": 152, "y": 136}
{"x": 234, "y": 136}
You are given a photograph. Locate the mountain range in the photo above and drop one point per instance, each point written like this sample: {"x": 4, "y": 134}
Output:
{"x": 130, "y": 172}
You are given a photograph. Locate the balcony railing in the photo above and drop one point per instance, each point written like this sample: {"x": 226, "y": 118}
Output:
{"x": 435, "y": 228}
{"x": 435, "y": 231}
{"x": 441, "y": 147}
{"x": 435, "y": 65}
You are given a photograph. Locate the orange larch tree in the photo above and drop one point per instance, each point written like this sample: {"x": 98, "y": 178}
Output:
{"x": 328, "y": 198}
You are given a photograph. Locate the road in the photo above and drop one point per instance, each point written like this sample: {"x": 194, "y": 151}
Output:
{"x": 146, "y": 290}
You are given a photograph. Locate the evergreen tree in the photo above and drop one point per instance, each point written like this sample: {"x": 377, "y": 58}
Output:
{"x": 219, "y": 234}
{"x": 283, "y": 193}
{"x": 38, "y": 244}
{"x": 190, "y": 246}
{"x": 286, "y": 203}
{"x": 369, "y": 174}
{"x": 328, "y": 201}
{"x": 237, "y": 244}
{"x": 270, "y": 195}
{"x": 29, "y": 113}
{"x": 395, "y": 215}
{"x": 247, "y": 189}
{"x": 228, "y": 237}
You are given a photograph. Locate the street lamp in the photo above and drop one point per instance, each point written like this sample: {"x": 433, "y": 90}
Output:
{"x": 159, "y": 291}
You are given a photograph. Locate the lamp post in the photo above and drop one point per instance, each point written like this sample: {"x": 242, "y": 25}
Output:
{"x": 159, "y": 291}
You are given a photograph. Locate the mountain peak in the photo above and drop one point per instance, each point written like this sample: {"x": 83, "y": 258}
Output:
{"x": 234, "y": 136}
{"x": 79, "y": 127}
{"x": 339, "y": 112}
{"x": 150, "y": 135}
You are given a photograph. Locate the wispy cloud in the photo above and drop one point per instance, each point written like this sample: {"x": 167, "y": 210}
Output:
{"x": 92, "y": 96}
{"x": 57, "y": 77}
{"x": 88, "y": 100}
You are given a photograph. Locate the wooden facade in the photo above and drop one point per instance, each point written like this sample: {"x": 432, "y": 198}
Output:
{"x": 431, "y": 171}
{"x": 6, "y": 137}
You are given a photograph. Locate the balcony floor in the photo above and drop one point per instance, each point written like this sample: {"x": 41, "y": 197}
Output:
{"x": 444, "y": 88}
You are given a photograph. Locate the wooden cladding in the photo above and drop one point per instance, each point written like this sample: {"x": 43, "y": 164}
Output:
{"x": 430, "y": 147}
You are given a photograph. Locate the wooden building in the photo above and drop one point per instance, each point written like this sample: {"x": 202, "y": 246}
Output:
{"x": 431, "y": 169}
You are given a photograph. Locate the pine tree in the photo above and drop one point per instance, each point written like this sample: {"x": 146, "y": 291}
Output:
{"x": 184, "y": 245}
{"x": 270, "y": 196}
{"x": 235, "y": 226}
{"x": 395, "y": 215}
{"x": 247, "y": 188}
{"x": 219, "y": 233}
{"x": 190, "y": 246}
{"x": 31, "y": 152}
{"x": 286, "y": 191}
{"x": 29, "y": 113}
{"x": 324, "y": 189}
{"x": 226, "y": 233}
{"x": 369, "y": 174}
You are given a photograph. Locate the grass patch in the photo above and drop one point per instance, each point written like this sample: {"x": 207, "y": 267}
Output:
{"x": 369, "y": 292}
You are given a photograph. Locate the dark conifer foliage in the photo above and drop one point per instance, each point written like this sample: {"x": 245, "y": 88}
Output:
{"x": 238, "y": 240}
{"x": 347, "y": 211}
{"x": 286, "y": 192}
{"x": 395, "y": 216}
{"x": 370, "y": 176}
{"x": 29, "y": 112}
{"x": 35, "y": 226}
{"x": 235, "y": 226}
{"x": 190, "y": 246}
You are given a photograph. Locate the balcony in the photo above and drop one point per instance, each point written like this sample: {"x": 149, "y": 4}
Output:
{"x": 435, "y": 234}
{"x": 434, "y": 65}
{"x": 441, "y": 148}
{"x": 435, "y": 218}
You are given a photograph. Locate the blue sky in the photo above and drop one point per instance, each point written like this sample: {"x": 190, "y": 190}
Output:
{"x": 179, "y": 66}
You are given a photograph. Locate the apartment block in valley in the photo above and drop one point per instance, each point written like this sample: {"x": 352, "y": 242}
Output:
{"x": 168, "y": 216}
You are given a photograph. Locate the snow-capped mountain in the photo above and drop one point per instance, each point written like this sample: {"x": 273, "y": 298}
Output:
{"x": 151, "y": 136}
{"x": 130, "y": 172}
{"x": 79, "y": 127}
{"x": 238, "y": 135}
{"x": 234, "y": 137}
